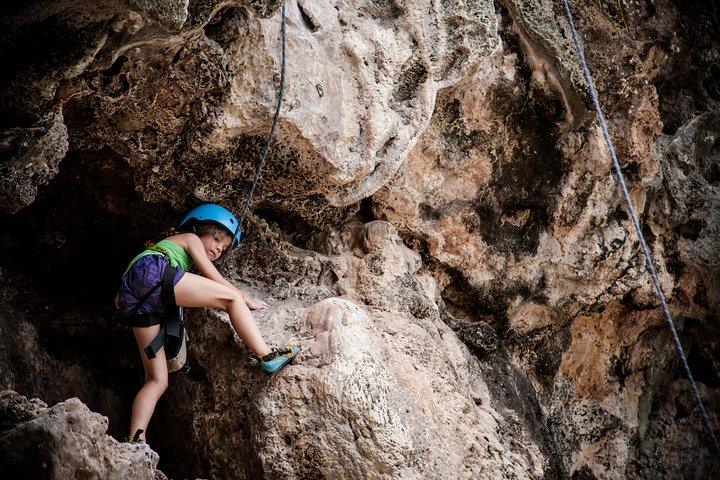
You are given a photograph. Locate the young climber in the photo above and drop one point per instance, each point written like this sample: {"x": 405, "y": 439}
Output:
{"x": 161, "y": 272}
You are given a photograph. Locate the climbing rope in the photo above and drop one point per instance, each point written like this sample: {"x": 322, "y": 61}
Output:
{"x": 636, "y": 223}
{"x": 266, "y": 147}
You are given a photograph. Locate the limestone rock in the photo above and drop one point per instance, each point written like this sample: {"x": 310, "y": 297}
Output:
{"x": 359, "y": 406}
{"x": 385, "y": 391}
{"x": 33, "y": 155}
{"x": 437, "y": 224}
{"x": 65, "y": 441}
{"x": 172, "y": 13}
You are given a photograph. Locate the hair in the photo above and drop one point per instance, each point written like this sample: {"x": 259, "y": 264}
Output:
{"x": 208, "y": 228}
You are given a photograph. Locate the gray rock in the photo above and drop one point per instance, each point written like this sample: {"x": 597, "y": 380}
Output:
{"x": 66, "y": 441}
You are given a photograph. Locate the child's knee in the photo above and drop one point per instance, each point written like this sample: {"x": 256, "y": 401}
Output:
{"x": 235, "y": 298}
{"x": 159, "y": 384}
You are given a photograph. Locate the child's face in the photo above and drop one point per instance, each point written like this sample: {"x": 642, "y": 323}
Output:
{"x": 215, "y": 243}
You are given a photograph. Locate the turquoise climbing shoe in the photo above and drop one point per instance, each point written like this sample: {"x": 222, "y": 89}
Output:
{"x": 278, "y": 358}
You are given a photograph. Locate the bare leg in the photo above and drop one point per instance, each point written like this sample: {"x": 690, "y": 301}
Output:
{"x": 197, "y": 291}
{"x": 156, "y": 381}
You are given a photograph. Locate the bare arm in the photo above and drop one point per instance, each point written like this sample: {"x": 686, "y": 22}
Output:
{"x": 192, "y": 244}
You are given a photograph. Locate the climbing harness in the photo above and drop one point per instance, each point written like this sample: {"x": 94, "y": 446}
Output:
{"x": 636, "y": 223}
{"x": 266, "y": 147}
{"x": 172, "y": 335}
{"x": 176, "y": 255}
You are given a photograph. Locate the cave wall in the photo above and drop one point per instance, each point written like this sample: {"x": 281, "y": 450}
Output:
{"x": 437, "y": 224}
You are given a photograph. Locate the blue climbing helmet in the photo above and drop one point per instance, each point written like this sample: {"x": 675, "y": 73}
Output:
{"x": 212, "y": 212}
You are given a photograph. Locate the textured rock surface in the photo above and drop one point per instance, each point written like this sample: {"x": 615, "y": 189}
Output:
{"x": 437, "y": 225}
{"x": 380, "y": 392}
{"x": 65, "y": 441}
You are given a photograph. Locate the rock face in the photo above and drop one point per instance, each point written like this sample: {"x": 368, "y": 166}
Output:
{"x": 437, "y": 225}
{"x": 65, "y": 441}
{"x": 380, "y": 392}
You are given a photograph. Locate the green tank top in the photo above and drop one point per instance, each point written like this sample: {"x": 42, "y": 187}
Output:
{"x": 177, "y": 255}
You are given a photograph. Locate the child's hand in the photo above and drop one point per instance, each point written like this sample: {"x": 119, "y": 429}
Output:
{"x": 254, "y": 303}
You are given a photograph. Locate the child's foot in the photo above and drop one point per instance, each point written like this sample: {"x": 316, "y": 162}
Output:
{"x": 136, "y": 438}
{"x": 278, "y": 358}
